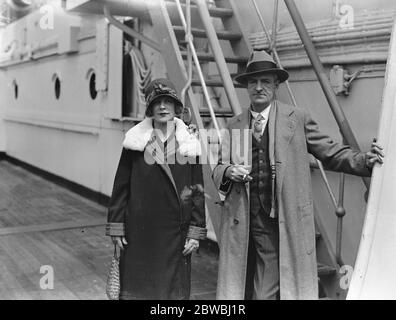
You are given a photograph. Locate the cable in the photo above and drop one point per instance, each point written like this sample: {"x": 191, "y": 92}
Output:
{"x": 141, "y": 77}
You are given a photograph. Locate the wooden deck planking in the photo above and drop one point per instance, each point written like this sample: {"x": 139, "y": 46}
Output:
{"x": 27, "y": 199}
{"x": 42, "y": 223}
{"x": 80, "y": 261}
{"x": 74, "y": 266}
{"x": 53, "y": 226}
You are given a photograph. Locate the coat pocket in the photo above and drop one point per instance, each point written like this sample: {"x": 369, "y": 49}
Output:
{"x": 307, "y": 226}
{"x": 229, "y": 214}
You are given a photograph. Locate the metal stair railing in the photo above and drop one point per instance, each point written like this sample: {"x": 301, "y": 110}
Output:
{"x": 189, "y": 39}
{"x": 219, "y": 56}
{"x": 189, "y": 55}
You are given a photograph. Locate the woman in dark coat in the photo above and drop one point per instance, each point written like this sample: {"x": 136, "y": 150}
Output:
{"x": 157, "y": 211}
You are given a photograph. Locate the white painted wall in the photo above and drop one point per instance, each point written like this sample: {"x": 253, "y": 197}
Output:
{"x": 72, "y": 136}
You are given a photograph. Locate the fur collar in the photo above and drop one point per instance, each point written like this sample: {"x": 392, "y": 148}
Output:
{"x": 138, "y": 136}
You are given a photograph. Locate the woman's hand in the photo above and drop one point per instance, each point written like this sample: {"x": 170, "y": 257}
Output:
{"x": 190, "y": 246}
{"x": 119, "y": 241}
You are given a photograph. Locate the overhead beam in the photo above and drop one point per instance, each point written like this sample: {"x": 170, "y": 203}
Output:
{"x": 130, "y": 8}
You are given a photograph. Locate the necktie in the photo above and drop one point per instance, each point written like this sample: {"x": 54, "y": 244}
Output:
{"x": 258, "y": 126}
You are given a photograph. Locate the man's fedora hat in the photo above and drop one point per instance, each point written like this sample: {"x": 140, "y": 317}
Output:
{"x": 260, "y": 62}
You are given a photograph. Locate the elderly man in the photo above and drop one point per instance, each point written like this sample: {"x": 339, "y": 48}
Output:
{"x": 267, "y": 236}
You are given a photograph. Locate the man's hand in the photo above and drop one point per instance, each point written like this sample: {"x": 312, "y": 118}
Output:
{"x": 119, "y": 241}
{"x": 239, "y": 173}
{"x": 374, "y": 155}
{"x": 190, "y": 246}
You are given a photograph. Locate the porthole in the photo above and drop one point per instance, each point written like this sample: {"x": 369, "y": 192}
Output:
{"x": 92, "y": 86}
{"x": 57, "y": 88}
{"x": 15, "y": 89}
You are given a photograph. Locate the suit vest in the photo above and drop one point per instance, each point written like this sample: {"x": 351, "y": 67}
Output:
{"x": 260, "y": 186}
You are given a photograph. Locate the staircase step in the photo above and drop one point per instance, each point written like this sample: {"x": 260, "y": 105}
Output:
{"x": 201, "y": 33}
{"x": 220, "y": 12}
{"x": 204, "y": 56}
{"x": 324, "y": 270}
{"x": 213, "y": 83}
{"x": 205, "y": 113}
{"x": 213, "y": 11}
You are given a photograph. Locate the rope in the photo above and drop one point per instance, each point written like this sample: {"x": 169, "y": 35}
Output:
{"x": 189, "y": 40}
{"x": 199, "y": 70}
{"x": 141, "y": 78}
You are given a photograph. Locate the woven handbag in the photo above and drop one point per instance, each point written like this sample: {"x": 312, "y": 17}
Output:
{"x": 113, "y": 278}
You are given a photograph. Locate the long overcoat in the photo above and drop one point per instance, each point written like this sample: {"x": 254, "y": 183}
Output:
{"x": 156, "y": 205}
{"x": 295, "y": 134}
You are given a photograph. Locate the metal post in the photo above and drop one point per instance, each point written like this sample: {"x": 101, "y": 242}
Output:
{"x": 129, "y": 31}
{"x": 219, "y": 57}
{"x": 275, "y": 23}
{"x": 340, "y": 212}
{"x": 326, "y": 181}
{"x": 337, "y": 111}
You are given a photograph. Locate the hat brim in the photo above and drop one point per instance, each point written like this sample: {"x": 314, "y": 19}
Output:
{"x": 176, "y": 99}
{"x": 243, "y": 78}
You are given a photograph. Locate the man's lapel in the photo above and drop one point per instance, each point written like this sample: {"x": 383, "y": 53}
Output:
{"x": 241, "y": 137}
{"x": 241, "y": 148}
{"x": 285, "y": 126}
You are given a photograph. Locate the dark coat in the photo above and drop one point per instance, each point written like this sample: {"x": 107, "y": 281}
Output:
{"x": 295, "y": 134}
{"x": 156, "y": 206}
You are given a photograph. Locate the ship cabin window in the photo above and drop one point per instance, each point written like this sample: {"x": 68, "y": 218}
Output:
{"x": 92, "y": 86}
{"x": 57, "y": 86}
{"x": 15, "y": 89}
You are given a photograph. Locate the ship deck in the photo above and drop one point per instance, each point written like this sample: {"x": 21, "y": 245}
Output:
{"x": 45, "y": 224}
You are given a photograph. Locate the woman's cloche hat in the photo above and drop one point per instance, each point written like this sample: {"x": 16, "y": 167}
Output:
{"x": 159, "y": 88}
{"x": 260, "y": 62}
